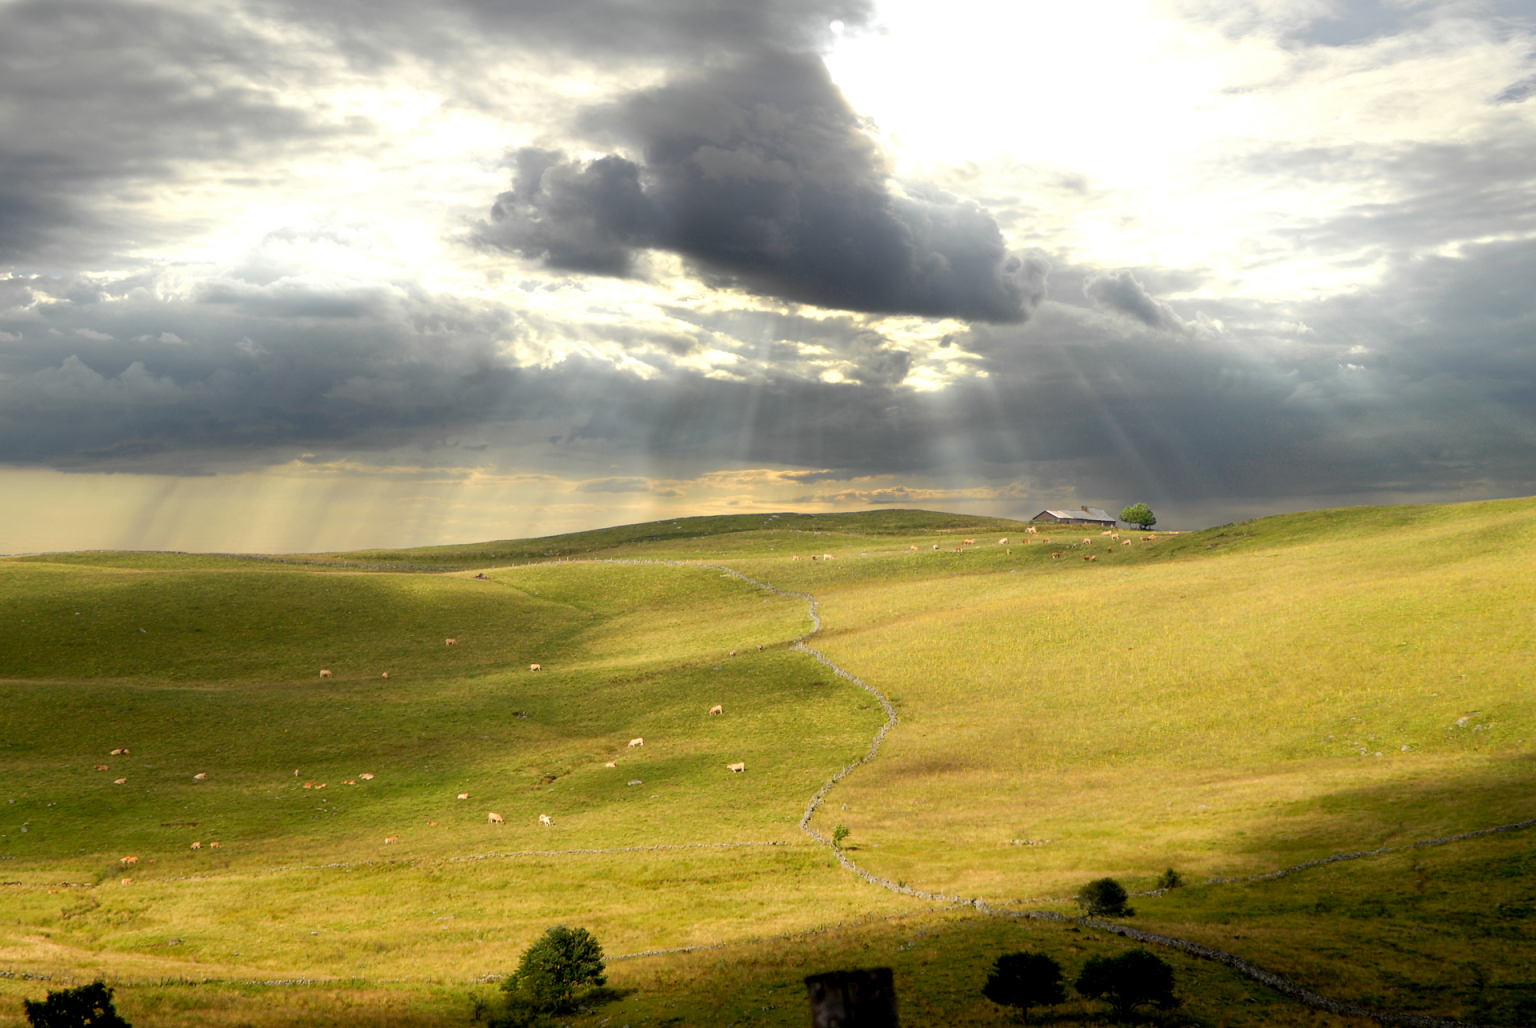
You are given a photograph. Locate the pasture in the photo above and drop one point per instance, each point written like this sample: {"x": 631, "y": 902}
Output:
{"x": 1228, "y": 702}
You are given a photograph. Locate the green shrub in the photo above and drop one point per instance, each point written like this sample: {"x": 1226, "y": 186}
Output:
{"x": 86, "y": 1006}
{"x": 1104, "y": 897}
{"x": 550, "y": 972}
{"x": 1024, "y": 980}
{"x": 1127, "y": 981}
{"x": 1170, "y": 879}
{"x": 838, "y": 835}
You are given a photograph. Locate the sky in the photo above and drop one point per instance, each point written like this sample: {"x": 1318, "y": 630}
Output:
{"x": 285, "y": 276}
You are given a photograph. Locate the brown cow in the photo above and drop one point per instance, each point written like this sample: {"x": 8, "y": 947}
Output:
{"x": 101, "y": 767}
{"x": 127, "y": 881}
{"x": 636, "y": 741}
{"x": 366, "y": 777}
{"x": 309, "y": 785}
{"x": 1056, "y": 555}
{"x": 391, "y": 839}
{"x": 494, "y": 818}
{"x": 1010, "y": 551}
{"x": 968, "y": 542}
{"x": 733, "y": 653}
{"x": 120, "y": 753}
{"x": 535, "y": 667}
{"x": 325, "y": 672}
{"x": 128, "y": 860}
{"x": 1095, "y": 559}
{"x": 386, "y": 674}
{"x": 612, "y": 763}
{"x": 914, "y": 549}
{"x": 1047, "y": 542}
{"x": 349, "y": 781}
{"x": 197, "y": 845}
{"x": 718, "y": 708}
{"x": 736, "y": 767}
{"x": 1032, "y": 530}
{"x": 450, "y": 642}
{"x": 214, "y": 846}
{"x": 320, "y": 786}
{"x": 1003, "y": 541}
{"x": 119, "y": 781}
{"x": 1125, "y": 542}
{"x": 545, "y": 819}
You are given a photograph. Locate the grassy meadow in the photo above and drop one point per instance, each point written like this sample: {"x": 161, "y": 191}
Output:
{"x": 1227, "y": 702}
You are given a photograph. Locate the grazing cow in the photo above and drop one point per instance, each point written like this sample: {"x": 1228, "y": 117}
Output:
{"x": 463, "y": 795}
{"x": 390, "y": 840}
{"x": 386, "y": 674}
{"x": 481, "y": 575}
{"x": 431, "y": 824}
{"x": 736, "y": 767}
{"x": 545, "y": 819}
{"x": 325, "y": 672}
{"x": 215, "y": 846}
{"x": 101, "y": 767}
{"x": 935, "y": 546}
{"x": 1032, "y": 531}
{"x": 535, "y": 667}
{"x": 826, "y": 556}
{"x": 1056, "y": 555}
{"x": 1003, "y": 541}
{"x": 718, "y": 708}
{"x": 1087, "y": 541}
{"x": 119, "y": 781}
{"x": 1114, "y": 535}
{"x": 1046, "y": 541}
{"x": 794, "y": 558}
{"x": 914, "y": 549}
{"x": 197, "y": 845}
{"x": 968, "y": 542}
{"x": 128, "y": 860}
{"x": 127, "y": 881}
{"x": 309, "y": 785}
{"x": 733, "y": 653}
{"x": 450, "y": 642}
{"x": 366, "y": 777}
{"x": 494, "y": 818}
{"x": 1125, "y": 542}
{"x": 120, "y": 753}
{"x": 200, "y": 776}
{"x": 350, "y": 781}
{"x": 637, "y": 741}
{"x": 1095, "y": 559}
{"x": 1106, "y": 532}
{"x": 320, "y": 786}
{"x": 612, "y": 763}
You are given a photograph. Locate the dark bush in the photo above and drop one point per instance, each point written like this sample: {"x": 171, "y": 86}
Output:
{"x": 553, "y": 968}
{"x": 86, "y": 1006}
{"x": 1127, "y": 981}
{"x": 1024, "y": 980}
{"x": 1104, "y": 897}
{"x": 1170, "y": 879}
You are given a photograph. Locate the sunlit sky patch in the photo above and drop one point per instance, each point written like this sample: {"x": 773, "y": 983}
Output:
{"x": 286, "y": 277}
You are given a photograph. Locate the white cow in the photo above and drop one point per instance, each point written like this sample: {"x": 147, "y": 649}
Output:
{"x": 736, "y": 767}
{"x": 545, "y": 819}
{"x": 495, "y": 818}
{"x": 637, "y": 741}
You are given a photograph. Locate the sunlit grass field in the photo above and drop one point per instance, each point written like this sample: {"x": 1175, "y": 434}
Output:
{"x": 1226, "y": 702}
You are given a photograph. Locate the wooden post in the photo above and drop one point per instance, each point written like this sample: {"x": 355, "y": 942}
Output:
{"x": 853, "y": 999}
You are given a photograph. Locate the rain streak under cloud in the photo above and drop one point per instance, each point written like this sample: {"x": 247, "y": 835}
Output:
{"x": 287, "y": 276}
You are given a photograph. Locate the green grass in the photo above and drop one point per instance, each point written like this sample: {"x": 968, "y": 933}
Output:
{"x": 1200, "y": 701}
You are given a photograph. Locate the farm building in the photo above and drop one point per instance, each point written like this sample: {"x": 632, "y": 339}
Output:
{"x": 1083, "y": 516}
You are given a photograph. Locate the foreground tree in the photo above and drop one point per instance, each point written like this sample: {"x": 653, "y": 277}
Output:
{"x": 1139, "y": 515}
{"x": 86, "y": 1006}
{"x": 550, "y": 972}
{"x": 1127, "y": 981}
{"x": 1024, "y": 980}
{"x": 1104, "y": 897}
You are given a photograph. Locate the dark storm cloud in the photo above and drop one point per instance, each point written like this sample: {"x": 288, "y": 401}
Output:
{"x": 1119, "y": 292}
{"x": 688, "y": 31}
{"x": 101, "y": 96}
{"x": 763, "y": 178}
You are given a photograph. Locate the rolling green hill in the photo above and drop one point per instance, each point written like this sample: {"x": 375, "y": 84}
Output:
{"x": 1230, "y": 703}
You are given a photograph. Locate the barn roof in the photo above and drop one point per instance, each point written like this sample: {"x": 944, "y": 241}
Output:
{"x": 1083, "y": 514}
